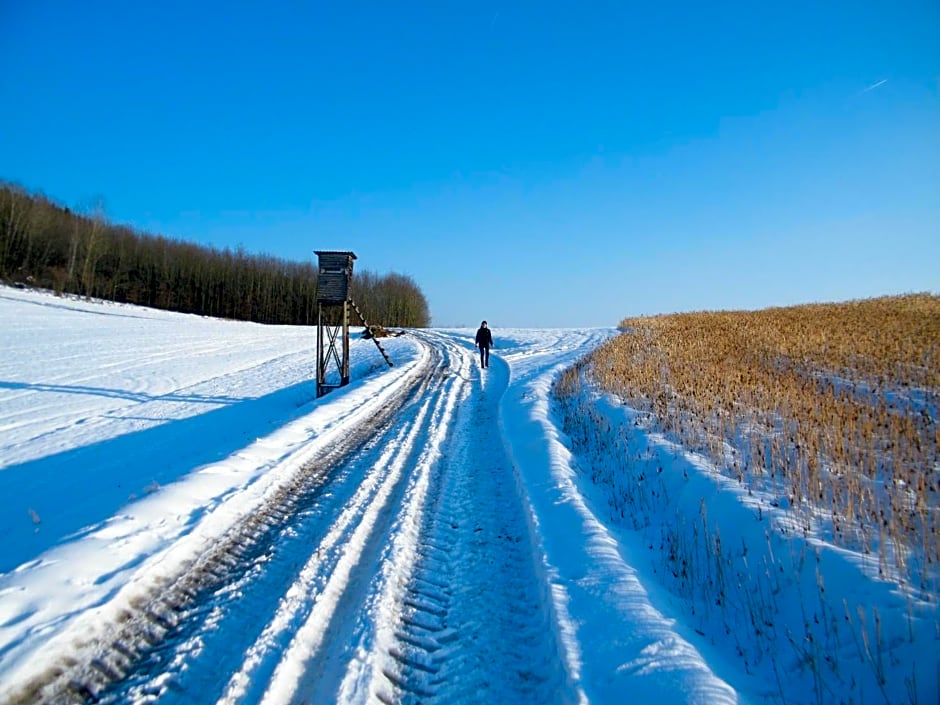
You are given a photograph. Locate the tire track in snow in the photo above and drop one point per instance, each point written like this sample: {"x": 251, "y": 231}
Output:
{"x": 291, "y": 608}
{"x": 320, "y": 652}
{"x": 462, "y": 616}
{"x": 161, "y": 644}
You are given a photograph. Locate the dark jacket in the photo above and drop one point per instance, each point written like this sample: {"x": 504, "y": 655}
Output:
{"x": 484, "y": 337}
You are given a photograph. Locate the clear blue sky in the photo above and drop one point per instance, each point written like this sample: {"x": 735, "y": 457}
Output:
{"x": 532, "y": 163}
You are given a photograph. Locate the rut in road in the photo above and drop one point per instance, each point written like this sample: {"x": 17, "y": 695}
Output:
{"x": 474, "y": 622}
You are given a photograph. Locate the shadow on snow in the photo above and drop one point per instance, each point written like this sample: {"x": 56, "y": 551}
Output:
{"x": 118, "y": 393}
{"x": 50, "y": 499}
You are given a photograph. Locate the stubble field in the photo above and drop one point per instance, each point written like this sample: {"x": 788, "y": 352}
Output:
{"x": 830, "y": 407}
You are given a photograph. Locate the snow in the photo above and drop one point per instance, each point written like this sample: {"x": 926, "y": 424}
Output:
{"x": 639, "y": 652}
{"x": 133, "y": 441}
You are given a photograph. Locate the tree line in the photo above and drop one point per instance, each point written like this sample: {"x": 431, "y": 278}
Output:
{"x": 46, "y": 245}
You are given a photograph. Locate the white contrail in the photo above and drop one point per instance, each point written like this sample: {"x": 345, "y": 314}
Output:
{"x": 874, "y": 85}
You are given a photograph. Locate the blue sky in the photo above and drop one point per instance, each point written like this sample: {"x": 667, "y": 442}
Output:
{"x": 536, "y": 164}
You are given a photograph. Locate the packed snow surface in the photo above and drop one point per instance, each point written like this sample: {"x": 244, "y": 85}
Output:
{"x": 453, "y": 551}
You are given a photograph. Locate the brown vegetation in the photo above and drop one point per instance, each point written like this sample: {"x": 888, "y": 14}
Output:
{"x": 45, "y": 245}
{"x": 832, "y": 407}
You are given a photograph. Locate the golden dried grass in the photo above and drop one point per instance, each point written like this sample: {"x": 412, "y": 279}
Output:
{"x": 831, "y": 406}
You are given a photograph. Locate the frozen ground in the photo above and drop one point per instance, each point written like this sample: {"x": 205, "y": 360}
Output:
{"x": 181, "y": 520}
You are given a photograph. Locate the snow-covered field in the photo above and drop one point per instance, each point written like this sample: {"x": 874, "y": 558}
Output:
{"x": 181, "y": 520}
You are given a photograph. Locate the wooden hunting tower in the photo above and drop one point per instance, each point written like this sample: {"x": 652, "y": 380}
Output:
{"x": 333, "y": 304}
{"x": 335, "y": 273}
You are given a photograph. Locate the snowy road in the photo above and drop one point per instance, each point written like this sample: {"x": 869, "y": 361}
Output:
{"x": 397, "y": 577}
{"x": 399, "y": 564}
{"x": 413, "y": 537}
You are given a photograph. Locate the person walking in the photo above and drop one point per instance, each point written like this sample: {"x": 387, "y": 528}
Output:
{"x": 484, "y": 341}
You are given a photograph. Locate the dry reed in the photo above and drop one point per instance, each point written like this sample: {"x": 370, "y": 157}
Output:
{"x": 830, "y": 407}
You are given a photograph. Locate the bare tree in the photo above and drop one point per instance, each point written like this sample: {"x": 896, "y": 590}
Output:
{"x": 83, "y": 253}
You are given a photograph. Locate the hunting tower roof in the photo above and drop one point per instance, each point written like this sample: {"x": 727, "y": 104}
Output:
{"x": 344, "y": 253}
